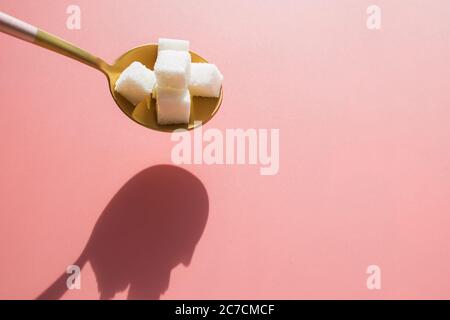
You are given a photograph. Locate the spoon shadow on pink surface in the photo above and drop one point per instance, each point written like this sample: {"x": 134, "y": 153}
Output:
{"x": 150, "y": 226}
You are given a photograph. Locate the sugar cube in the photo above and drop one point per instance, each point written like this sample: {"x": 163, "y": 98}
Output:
{"x": 172, "y": 106}
{"x": 172, "y": 44}
{"x": 135, "y": 82}
{"x": 206, "y": 80}
{"x": 172, "y": 69}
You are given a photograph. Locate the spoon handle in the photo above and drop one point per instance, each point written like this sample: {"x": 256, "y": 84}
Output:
{"x": 30, "y": 33}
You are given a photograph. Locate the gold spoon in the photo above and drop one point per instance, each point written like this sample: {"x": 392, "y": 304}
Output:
{"x": 202, "y": 109}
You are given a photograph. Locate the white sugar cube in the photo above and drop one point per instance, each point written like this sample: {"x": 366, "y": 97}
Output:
{"x": 135, "y": 82}
{"x": 172, "y": 69}
{"x": 206, "y": 80}
{"x": 173, "y": 44}
{"x": 172, "y": 106}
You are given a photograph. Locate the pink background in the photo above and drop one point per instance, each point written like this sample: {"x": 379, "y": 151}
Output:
{"x": 364, "y": 139}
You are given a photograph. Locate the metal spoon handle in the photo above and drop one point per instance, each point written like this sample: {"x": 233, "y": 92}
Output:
{"x": 22, "y": 30}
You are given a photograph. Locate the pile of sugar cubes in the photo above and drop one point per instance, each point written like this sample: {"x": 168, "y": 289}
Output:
{"x": 174, "y": 79}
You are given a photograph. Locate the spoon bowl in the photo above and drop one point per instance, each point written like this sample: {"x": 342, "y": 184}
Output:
{"x": 202, "y": 109}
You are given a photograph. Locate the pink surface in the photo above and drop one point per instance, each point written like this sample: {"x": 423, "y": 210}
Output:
{"x": 364, "y": 154}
